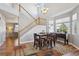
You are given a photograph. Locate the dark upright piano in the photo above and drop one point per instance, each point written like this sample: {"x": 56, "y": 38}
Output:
{"x": 62, "y": 35}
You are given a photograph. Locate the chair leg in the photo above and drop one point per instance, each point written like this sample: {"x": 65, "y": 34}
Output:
{"x": 36, "y": 46}
{"x": 54, "y": 43}
{"x": 48, "y": 43}
{"x": 64, "y": 42}
{"x": 40, "y": 45}
{"x": 67, "y": 42}
{"x": 51, "y": 43}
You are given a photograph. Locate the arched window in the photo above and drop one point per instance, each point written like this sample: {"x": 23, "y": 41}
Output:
{"x": 74, "y": 19}
{"x": 51, "y": 26}
{"x": 65, "y": 21}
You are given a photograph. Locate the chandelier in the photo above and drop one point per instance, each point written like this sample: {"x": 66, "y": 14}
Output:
{"x": 44, "y": 10}
{"x": 42, "y": 7}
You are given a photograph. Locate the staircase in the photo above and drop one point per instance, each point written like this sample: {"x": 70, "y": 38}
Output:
{"x": 27, "y": 28}
{"x": 36, "y": 22}
{"x": 27, "y": 31}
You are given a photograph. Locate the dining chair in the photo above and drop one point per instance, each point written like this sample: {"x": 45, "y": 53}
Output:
{"x": 52, "y": 38}
{"x": 36, "y": 40}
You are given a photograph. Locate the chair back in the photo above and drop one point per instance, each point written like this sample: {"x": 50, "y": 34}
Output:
{"x": 36, "y": 36}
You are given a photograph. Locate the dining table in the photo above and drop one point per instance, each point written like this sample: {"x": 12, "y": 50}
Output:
{"x": 46, "y": 39}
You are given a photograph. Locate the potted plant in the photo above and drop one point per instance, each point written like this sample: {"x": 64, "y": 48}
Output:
{"x": 63, "y": 28}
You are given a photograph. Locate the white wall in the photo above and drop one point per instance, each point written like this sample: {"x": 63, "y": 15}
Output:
{"x": 2, "y": 29}
{"x": 12, "y": 20}
{"x": 28, "y": 37}
{"x": 74, "y": 38}
{"x": 31, "y": 8}
{"x": 5, "y": 7}
{"x": 25, "y": 19}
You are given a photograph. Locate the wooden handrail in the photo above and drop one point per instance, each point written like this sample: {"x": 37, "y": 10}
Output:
{"x": 25, "y": 29}
{"x": 26, "y": 11}
{"x": 28, "y": 25}
{"x": 20, "y": 6}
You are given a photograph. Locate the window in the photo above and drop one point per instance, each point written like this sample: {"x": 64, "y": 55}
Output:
{"x": 65, "y": 21}
{"x": 62, "y": 20}
{"x": 57, "y": 27}
{"x": 16, "y": 28}
{"x": 74, "y": 18}
{"x": 51, "y": 26}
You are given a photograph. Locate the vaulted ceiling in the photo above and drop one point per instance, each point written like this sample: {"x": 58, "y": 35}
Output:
{"x": 58, "y": 8}
{"x": 53, "y": 8}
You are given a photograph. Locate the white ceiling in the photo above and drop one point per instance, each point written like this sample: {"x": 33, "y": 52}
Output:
{"x": 57, "y": 8}
{"x": 31, "y": 8}
{"x": 53, "y": 8}
{"x": 7, "y": 14}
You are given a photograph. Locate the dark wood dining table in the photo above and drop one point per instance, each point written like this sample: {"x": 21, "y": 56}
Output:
{"x": 41, "y": 38}
{"x": 45, "y": 37}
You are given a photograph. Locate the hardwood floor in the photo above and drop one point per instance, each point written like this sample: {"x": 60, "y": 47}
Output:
{"x": 29, "y": 50}
{"x": 8, "y": 47}
{"x": 74, "y": 53}
{"x": 48, "y": 52}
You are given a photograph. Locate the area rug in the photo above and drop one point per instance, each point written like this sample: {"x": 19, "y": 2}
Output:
{"x": 47, "y": 52}
{"x": 58, "y": 50}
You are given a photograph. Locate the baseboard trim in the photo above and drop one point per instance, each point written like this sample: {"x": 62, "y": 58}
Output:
{"x": 27, "y": 42}
{"x": 71, "y": 44}
{"x": 74, "y": 45}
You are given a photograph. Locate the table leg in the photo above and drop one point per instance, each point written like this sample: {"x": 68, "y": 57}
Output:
{"x": 40, "y": 45}
{"x": 51, "y": 43}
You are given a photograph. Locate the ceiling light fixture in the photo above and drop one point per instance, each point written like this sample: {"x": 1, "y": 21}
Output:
{"x": 44, "y": 10}
{"x": 42, "y": 7}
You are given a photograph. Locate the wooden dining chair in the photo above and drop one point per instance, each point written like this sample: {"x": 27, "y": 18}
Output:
{"x": 43, "y": 40}
{"x": 36, "y": 40}
{"x": 54, "y": 38}
{"x": 51, "y": 38}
